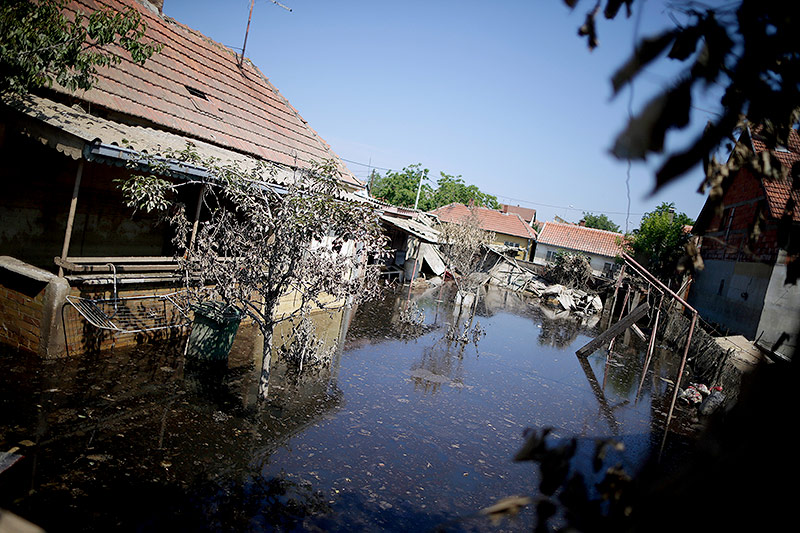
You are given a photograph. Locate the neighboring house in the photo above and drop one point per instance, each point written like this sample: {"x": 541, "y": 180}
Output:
{"x": 527, "y": 214}
{"x": 601, "y": 246}
{"x": 412, "y": 241}
{"x": 66, "y": 230}
{"x": 743, "y": 285}
{"x": 509, "y": 228}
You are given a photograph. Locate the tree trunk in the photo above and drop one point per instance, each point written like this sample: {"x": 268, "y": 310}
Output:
{"x": 474, "y": 307}
{"x": 266, "y": 359}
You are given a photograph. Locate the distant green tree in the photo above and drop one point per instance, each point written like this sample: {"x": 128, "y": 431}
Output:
{"x": 400, "y": 188}
{"x": 599, "y": 222}
{"x": 660, "y": 239}
{"x": 450, "y": 189}
{"x": 40, "y": 45}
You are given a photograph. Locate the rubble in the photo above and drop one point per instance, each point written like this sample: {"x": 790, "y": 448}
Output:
{"x": 517, "y": 276}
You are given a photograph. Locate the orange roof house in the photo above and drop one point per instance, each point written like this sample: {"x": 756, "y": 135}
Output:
{"x": 509, "y": 228}
{"x": 61, "y": 152}
{"x": 195, "y": 89}
{"x": 527, "y": 214}
{"x": 601, "y": 246}
{"x": 743, "y": 286}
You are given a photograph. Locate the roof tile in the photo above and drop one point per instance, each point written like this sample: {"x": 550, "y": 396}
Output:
{"x": 526, "y": 213}
{"x": 255, "y": 119}
{"x": 490, "y": 219}
{"x": 581, "y": 238}
{"x": 779, "y": 192}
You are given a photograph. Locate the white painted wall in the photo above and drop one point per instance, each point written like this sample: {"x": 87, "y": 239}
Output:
{"x": 731, "y": 294}
{"x": 596, "y": 261}
{"x": 781, "y": 314}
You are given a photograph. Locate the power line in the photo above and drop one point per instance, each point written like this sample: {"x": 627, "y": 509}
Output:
{"x": 569, "y": 208}
{"x": 504, "y": 197}
{"x": 368, "y": 165}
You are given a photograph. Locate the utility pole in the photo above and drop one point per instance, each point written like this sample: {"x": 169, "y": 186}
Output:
{"x": 369, "y": 176}
{"x": 419, "y": 189}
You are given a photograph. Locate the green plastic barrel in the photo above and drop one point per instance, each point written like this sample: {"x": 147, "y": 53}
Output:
{"x": 213, "y": 330}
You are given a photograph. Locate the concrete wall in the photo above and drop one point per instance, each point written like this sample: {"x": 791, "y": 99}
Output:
{"x": 780, "y": 319}
{"x": 597, "y": 262}
{"x": 732, "y": 294}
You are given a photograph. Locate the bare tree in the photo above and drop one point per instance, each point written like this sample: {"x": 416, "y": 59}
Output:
{"x": 464, "y": 246}
{"x": 261, "y": 241}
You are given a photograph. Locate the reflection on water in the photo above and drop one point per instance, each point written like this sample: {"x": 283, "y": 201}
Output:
{"x": 400, "y": 430}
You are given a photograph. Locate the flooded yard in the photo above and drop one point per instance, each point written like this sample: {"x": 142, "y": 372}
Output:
{"x": 404, "y": 430}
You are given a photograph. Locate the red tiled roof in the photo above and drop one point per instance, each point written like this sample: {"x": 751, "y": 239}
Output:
{"x": 526, "y": 213}
{"x": 778, "y": 192}
{"x": 581, "y": 238}
{"x": 233, "y": 107}
{"x": 489, "y": 220}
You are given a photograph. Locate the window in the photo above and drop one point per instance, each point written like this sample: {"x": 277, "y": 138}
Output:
{"x": 202, "y": 102}
{"x": 551, "y": 255}
{"x": 196, "y": 92}
{"x": 509, "y": 243}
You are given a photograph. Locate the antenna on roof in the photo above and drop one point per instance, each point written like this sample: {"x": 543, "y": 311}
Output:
{"x": 249, "y": 17}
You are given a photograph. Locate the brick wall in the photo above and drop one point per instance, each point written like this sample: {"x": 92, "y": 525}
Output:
{"x": 729, "y": 233}
{"x": 21, "y": 310}
{"x": 139, "y": 308}
{"x": 143, "y": 305}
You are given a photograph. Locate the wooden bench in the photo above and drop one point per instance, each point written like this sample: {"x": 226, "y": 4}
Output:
{"x": 122, "y": 270}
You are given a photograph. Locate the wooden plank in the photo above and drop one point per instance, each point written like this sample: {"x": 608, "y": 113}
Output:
{"x": 639, "y": 333}
{"x": 73, "y": 265}
{"x": 614, "y": 330}
{"x": 122, "y": 259}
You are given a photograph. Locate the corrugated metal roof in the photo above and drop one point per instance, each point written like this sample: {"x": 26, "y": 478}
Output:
{"x": 102, "y": 139}
{"x": 414, "y": 227}
{"x": 96, "y": 131}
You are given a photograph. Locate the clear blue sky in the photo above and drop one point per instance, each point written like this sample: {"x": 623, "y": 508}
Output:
{"x": 503, "y": 93}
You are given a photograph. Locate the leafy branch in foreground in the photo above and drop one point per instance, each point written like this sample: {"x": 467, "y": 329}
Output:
{"x": 41, "y": 45}
{"x": 257, "y": 241}
{"x": 747, "y": 48}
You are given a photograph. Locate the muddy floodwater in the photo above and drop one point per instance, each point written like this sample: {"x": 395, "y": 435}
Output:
{"x": 403, "y": 431}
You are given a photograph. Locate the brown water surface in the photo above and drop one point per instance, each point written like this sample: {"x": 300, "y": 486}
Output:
{"x": 402, "y": 431}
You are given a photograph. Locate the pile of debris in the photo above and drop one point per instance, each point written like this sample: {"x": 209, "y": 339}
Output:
{"x": 576, "y": 300}
{"x": 707, "y": 400}
{"x": 520, "y": 277}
